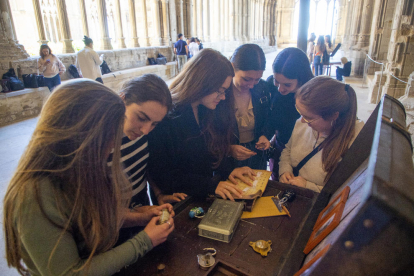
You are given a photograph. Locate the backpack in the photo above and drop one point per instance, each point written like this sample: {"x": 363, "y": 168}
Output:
{"x": 73, "y": 71}
{"x": 5, "y": 86}
{"x": 9, "y": 74}
{"x": 152, "y": 61}
{"x": 105, "y": 68}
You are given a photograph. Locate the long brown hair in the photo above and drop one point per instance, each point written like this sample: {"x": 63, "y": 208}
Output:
{"x": 203, "y": 75}
{"x": 321, "y": 44}
{"x": 325, "y": 96}
{"x": 79, "y": 124}
{"x": 45, "y": 46}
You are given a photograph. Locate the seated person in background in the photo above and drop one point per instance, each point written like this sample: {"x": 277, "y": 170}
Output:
{"x": 252, "y": 104}
{"x": 147, "y": 100}
{"x": 290, "y": 71}
{"x": 346, "y": 71}
{"x": 327, "y": 128}
{"x": 190, "y": 149}
{"x": 63, "y": 207}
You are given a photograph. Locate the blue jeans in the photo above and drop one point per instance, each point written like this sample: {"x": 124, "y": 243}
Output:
{"x": 51, "y": 83}
{"x": 318, "y": 66}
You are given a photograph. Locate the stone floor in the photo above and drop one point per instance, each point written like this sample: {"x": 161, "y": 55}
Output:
{"x": 14, "y": 138}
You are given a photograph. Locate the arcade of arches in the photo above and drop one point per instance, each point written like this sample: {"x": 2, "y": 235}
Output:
{"x": 130, "y": 31}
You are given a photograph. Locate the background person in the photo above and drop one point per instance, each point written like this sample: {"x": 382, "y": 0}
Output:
{"x": 190, "y": 148}
{"x": 193, "y": 47}
{"x": 327, "y": 128}
{"x": 50, "y": 66}
{"x": 318, "y": 52}
{"x": 252, "y": 105}
{"x": 62, "y": 209}
{"x": 345, "y": 71}
{"x": 328, "y": 44}
{"x": 290, "y": 71}
{"x": 181, "y": 50}
{"x": 311, "y": 47}
{"x": 88, "y": 62}
{"x": 200, "y": 45}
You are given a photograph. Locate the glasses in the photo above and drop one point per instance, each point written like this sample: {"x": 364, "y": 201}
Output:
{"x": 306, "y": 121}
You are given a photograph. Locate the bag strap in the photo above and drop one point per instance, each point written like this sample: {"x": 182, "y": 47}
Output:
{"x": 306, "y": 159}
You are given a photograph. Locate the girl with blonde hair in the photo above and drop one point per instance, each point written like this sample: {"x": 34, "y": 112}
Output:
{"x": 322, "y": 135}
{"x": 64, "y": 206}
{"x": 190, "y": 149}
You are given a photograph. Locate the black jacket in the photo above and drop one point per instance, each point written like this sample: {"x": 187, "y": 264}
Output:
{"x": 179, "y": 159}
{"x": 283, "y": 114}
{"x": 261, "y": 99}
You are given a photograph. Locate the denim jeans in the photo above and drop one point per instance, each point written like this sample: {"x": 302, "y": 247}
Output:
{"x": 51, "y": 83}
{"x": 318, "y": 66}
{"x": 182, "y": 59}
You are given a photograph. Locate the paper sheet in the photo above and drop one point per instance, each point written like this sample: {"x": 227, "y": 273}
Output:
{"x": 258, "y": 187}
{"x": 264, "y": 207}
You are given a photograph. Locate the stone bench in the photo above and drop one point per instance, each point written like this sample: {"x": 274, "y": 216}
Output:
{"x": 27, "y": 103}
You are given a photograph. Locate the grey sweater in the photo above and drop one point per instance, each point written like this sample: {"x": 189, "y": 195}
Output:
{"x": 38, "y": 237}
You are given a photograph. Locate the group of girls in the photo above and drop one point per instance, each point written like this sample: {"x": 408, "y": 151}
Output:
{"x": 69, "y": 197}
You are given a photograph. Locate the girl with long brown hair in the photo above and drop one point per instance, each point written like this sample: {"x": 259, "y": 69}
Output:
{"x": 318, "y": 53}
{"x": 64, "y": 206}
{"x": 324, "y": 133}
{"x": 50, "y": 66}
{"x": 190, "y": 149}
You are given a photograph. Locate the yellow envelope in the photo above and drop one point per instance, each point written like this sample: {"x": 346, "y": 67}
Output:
{"x": 264, "y": 207}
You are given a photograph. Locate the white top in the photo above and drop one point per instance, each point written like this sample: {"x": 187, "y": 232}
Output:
{"x": 51, "y": 69}
{"x": 193, "y": 48}
{"x": 88, "y": 62}
{"x": 300, "y": 144}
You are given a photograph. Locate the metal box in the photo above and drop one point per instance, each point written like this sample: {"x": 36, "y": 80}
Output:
{"x": 221, "y": 220}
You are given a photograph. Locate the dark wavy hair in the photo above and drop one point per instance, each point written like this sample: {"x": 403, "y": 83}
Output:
{"x": 293, "y": 64}
{"x": 87, "y": 40}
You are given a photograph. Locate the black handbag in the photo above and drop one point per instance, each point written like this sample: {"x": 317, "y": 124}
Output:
{"x": 105, "y": 68}
{"x": 152, "y": 61}
{"x": 16, "y": 84}
{"x": 30, "y": 81}
{"x": 5, "y": 86}
{"x": 41, "y": 81}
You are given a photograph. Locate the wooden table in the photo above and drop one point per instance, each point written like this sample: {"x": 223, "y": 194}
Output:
{"x": 179, "y": 252}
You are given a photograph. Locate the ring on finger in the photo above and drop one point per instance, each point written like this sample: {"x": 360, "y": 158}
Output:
{"x": 169, "y": 223}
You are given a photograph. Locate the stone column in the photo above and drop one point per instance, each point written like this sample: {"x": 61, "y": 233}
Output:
{"x": 165, "y": 23}
{"x": 340, "y": 24}
{"x": 180, "y": 17}
{"x": 156, "y": 39}
{"x": 7, "y": 17}
{"x": 303, "y": 25}
{"x": 231, "y": 20}
{"x": 39, "y": 22}
{"x": 84, "y": 17}
{"x": 286, "y": 10}
{"x": 226, "y": 20}
{"x": 119, "y": 32}
{"x": 236, "y": 20}
{"x": 145, "y": 39}
{"x": 241, "y": 20}
{"x": 103, "y": 25}
{"x": 132, "y": 25}
{"x": 246, "y": 17}
{"x": 206, "y": 20}
{"x": 356, "y": 21}
{"x": 172, "y": 16}
{"x": 199, "y": 20}
{"x": 365, "y": 28}
{"x": 223, "y": 16}
{"x": 64, "y": 27}
{"x": 194, "y": 21}
{"x": 189, "y": 19}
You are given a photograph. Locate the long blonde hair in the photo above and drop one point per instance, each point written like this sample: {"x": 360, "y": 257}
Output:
{"x": 325, "y": 96}
{"x": 203, "y": 75}
{"x": 79, "y": 124}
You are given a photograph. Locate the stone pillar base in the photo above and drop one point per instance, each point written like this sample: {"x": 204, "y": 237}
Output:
{"x": 43, "y": 42}
{"x": 67, "y": 46}
{"x": 165, "y": 41}
{"x": 134, "y": 42}
{"x": 106, "y": 44}
{"x": 144, "y": 42}
{"x": 121, "y": 42}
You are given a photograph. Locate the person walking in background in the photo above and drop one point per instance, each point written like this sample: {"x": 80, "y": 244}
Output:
{"x": 328, "y": 44}
{"x": 50, "y": 66}
{"x": 346, "y": 71}
{"x": 311, "y": 47}
{"x": 181, "y": 51}
{"x": 200, "y": 45}
{"x": 88, "y": 62}
{"x": 193, "y": 47}
{"x": 318, "y": 52}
